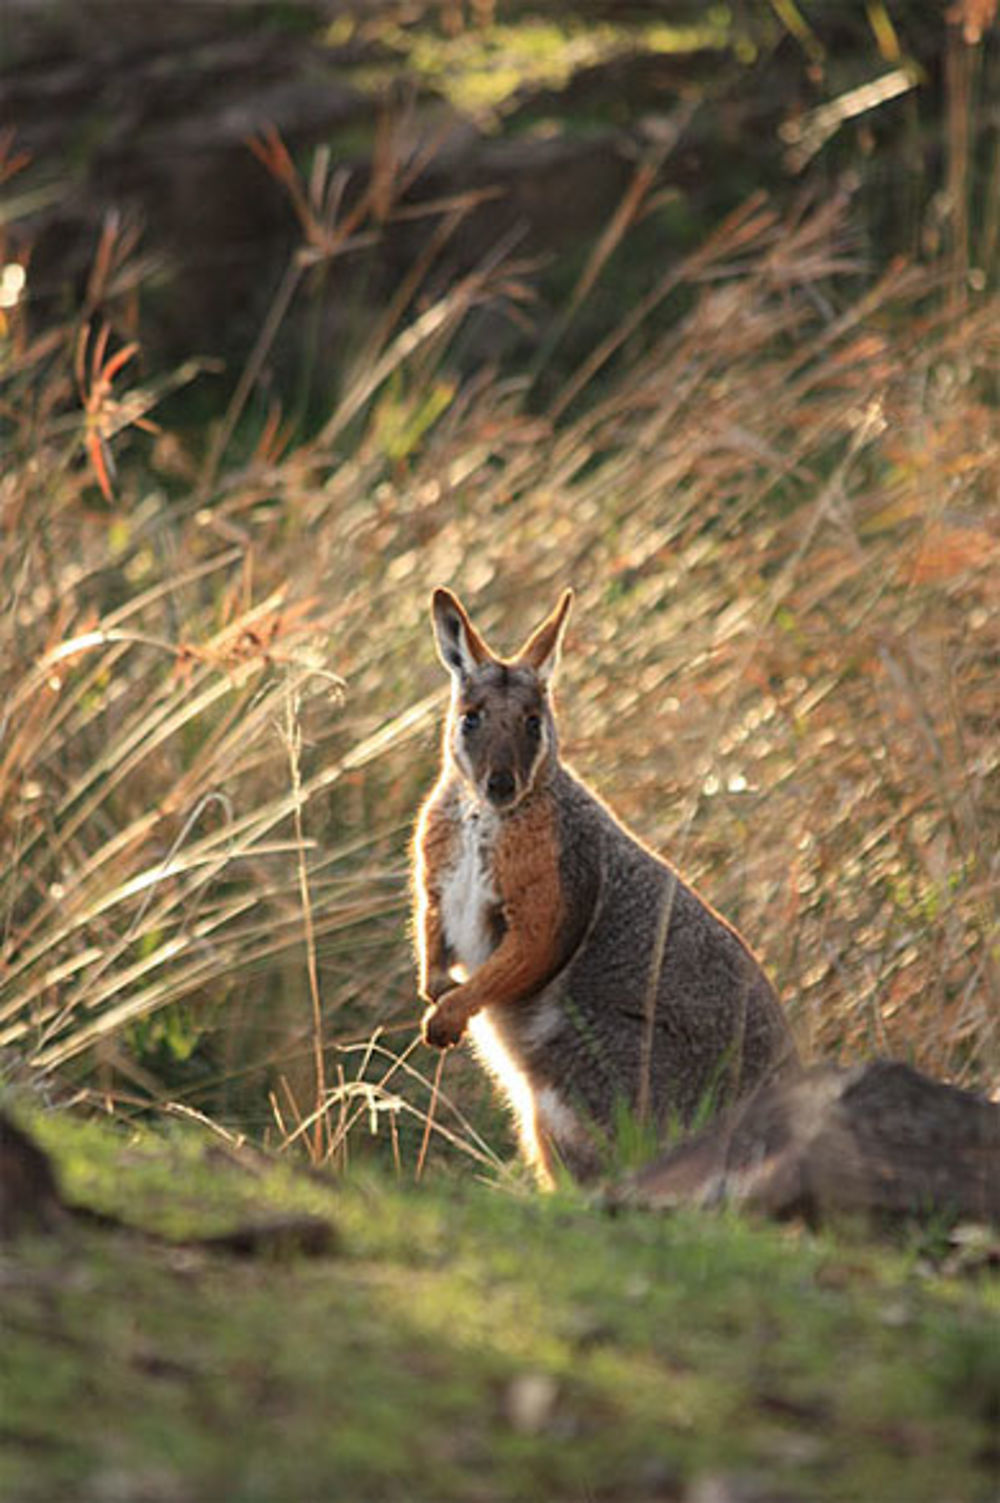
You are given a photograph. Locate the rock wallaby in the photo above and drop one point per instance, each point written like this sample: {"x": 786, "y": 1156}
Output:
{"x": 597, "y": 987}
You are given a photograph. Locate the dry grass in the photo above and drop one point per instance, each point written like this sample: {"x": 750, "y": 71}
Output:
{"x": 779, "y": 511}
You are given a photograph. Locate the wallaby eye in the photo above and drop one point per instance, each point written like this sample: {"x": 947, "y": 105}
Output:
{"x": 471, "y": 720}
{"x": 533, "y": 726}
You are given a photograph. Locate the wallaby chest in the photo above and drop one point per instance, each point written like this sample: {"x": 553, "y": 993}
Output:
{"x": 470, "y": 902}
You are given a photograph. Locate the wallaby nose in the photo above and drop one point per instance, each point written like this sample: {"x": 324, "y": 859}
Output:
{"x": 500, "y": 786}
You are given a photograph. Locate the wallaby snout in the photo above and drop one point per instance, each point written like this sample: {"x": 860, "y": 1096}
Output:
{"x": 501, "y": 786}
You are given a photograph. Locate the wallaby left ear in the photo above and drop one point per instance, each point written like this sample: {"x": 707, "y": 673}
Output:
{"x": 541, "y": 651}
{"x": 459, "y": 645}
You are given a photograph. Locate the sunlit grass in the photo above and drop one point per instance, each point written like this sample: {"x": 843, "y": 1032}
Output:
{"x": 776, "y": 507}
{"x": 480, "y": 68}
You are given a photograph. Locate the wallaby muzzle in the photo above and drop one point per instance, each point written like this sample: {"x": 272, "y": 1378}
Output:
{"x": 501, "y": 786}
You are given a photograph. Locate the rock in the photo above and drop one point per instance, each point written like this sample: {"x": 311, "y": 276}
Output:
{"x": 529, "y": 1402}
{"x": 29, "y": 1194}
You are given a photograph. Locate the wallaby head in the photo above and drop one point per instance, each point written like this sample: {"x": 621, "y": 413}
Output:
{"x": 501, "y": 733}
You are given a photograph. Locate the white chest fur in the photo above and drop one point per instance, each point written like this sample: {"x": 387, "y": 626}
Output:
{"x": 468, "y": 893}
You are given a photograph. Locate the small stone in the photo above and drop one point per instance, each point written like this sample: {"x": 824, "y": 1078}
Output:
{"x": 530, "y": 1401}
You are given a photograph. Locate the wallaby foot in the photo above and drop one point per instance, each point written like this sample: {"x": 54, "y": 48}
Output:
{"x": 444, "y": 1023}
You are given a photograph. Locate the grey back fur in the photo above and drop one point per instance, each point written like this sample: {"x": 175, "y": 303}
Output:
{"x": 660, "y": 1014}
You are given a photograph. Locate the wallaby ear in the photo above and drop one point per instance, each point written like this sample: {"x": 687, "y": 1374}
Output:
{"x": 541, "y": 651}
{"x": 460, "y": 646}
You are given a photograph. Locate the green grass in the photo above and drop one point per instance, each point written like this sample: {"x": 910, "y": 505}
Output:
{"x": 470, "y": 1343}
{"x": 482, "y": 69}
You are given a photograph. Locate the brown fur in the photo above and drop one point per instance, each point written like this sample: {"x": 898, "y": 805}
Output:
{"x": 592, "y": 978}
{"x": 526, "y": 872}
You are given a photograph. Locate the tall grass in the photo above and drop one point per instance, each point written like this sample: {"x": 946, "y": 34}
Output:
{"x": 778, "y": 508}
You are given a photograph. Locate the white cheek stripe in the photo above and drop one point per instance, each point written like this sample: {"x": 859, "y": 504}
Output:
{"x": 461, "y": 761}
{"x": 540, "y": 753}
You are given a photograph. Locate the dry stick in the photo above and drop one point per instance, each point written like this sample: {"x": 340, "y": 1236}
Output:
{"x": 115, "y": 951}
{"x": 293, "y": 274}
{"x": 960, "y": 60}
{"x": 320, "y": 243}
{"x": 414, "y": 279}
{"x": 272, "y": 1097}
{"x": 623, "y": 217}
{"x": 394, "y": 1140}
{"x": 371, "y": 1102}
{"x": 430, "y": 1117}
{"x": 808, "y": 136}
{"x": 748, "y": 220}
{"x": 480, "y": 1149}
{"x": 420, "y": 332}
{"x": 338, "y": 1137}
{"x": 651, "y": 997}
{"x": 294, "y": 1105}
{"x": 293, "y": 741}
{"x": 489, "y": 1160}
{"x": 346, "y": 1125}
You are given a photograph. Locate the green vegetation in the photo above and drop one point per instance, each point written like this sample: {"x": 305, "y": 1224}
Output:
{"x": 481, "y": 69}
{"x": 767, "y": 461}
{"x": 462, "y": 1343}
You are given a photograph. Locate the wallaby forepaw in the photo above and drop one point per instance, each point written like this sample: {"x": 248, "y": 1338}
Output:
{"x": 441, "y": 1027}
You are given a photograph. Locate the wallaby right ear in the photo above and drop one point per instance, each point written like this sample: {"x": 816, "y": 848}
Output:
{"x": 460, "y": 646}
{"x": 541, "y": 651}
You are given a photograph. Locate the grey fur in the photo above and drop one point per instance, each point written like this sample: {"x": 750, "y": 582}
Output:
{"x": 681, "y": 1022}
